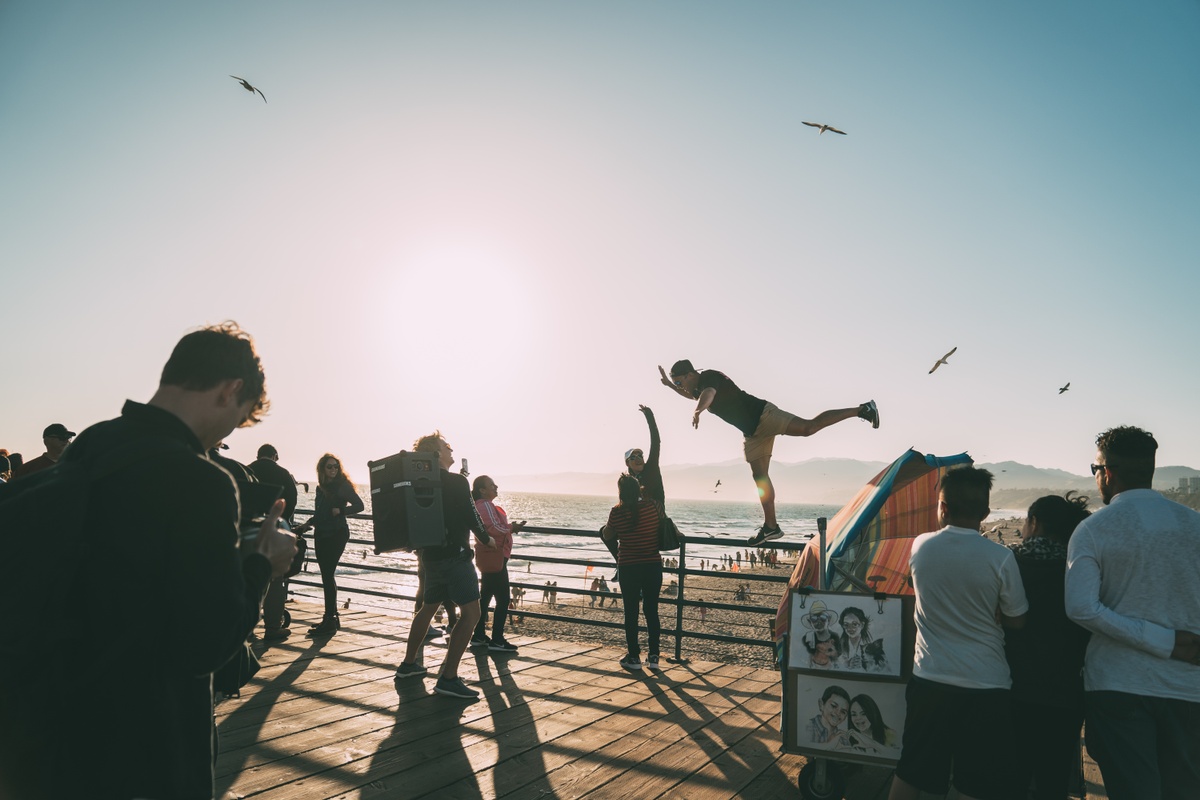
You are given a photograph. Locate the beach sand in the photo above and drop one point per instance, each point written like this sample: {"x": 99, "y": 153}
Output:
{"x": 717, "y": 621}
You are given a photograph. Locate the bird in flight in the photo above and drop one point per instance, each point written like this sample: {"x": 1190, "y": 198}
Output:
{"x": 718, "y": 486}
{"x": 1063, "y": 389}
{"x": 942, "y": 360}
{"x": 823, "y": 128}
{"x": 246, "y": 85}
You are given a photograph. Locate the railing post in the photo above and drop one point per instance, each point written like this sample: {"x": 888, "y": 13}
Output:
{"x": 679, "y": 605}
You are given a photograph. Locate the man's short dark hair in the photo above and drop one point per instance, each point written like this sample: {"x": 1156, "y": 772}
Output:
{"x": 1129, "y": 451}
{"x": 966, "y": 491}
{"x": 430, "y": 443}
{"x": 831, "y": 691}
{"x": 682, "y": 367}
{"x": 205, "y": 358}
{"x": 267, "y": 451}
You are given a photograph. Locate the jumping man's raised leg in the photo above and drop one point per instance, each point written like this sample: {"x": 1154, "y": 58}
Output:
{"x": 807, "y": 427}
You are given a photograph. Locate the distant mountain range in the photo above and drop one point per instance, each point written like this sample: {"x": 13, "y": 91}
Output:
{"x": 826, "y": 481}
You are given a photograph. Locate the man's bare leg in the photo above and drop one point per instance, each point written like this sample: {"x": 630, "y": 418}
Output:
{"x": 760, "y": 467}
{"x": 460, "y": 638}
{"x": 807, "y": 427}
{"x": 416, "y": 634}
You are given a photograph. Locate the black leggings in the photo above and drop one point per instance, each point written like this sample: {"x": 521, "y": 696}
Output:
{"x": 641, "y": 583}
{"x": 493, "y": 584}
{"x": 329, "y": 552}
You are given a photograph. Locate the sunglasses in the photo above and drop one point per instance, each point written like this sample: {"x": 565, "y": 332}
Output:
{"x": 678, "y": 383}
{"x": 1097, "y": 467}
{"x": 333, "y": 464}
{"x": 635, "y": 457}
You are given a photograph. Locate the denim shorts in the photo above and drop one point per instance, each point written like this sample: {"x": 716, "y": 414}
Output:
{"x": 451, "y": 580}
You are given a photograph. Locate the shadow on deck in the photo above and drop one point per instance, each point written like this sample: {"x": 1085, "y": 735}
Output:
{"x": 324, "y": 719}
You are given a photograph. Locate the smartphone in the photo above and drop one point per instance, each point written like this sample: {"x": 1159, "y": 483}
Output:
{"x": 464, "y": 471}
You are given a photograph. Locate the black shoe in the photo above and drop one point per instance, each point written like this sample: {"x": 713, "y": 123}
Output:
{"x": 276, "y": 635}
{"x": 765, "y": 534}
{"x": 870, "y": 412}
{"x": 454, "y": 687}
{"x": 328, "y": 626}
{"x": 502, "y": 646}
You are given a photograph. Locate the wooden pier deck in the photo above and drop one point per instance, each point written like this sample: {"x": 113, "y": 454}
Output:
{"x": 324, "y": 719}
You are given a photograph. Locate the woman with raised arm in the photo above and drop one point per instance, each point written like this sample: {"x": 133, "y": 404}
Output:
{"x": 335, "y": 501}
{"x": 633, "y": 524}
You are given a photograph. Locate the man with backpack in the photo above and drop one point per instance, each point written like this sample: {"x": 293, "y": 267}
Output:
{"x": 106, "y": 685}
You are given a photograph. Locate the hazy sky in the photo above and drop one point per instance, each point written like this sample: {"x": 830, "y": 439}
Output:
{"x": 497, "y": 218}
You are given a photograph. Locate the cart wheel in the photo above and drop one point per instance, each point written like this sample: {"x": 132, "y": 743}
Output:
{"x": 287, "y": 618}
{"x": 835, "y": 782}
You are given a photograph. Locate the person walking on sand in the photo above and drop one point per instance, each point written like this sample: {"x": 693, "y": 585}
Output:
{"x": 604, "y": 588}
{"x": 595, "y": 587}
{"x": 633, "y": 522}
{"x": 1131, "y": 581}
{"x": 759, "y": 421}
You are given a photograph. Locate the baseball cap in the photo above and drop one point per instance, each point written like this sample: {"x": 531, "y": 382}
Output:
{"x": 629, "y": 453}
{"x": 682, "y": 367}
{"x": 58, "y": 431}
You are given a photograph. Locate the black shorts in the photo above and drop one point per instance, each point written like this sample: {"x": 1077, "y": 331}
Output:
{"x": 452, "y": 580}
{"x": 967, "y": 730}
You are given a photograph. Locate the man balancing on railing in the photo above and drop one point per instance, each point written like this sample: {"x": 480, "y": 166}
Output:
{"x": 154, "y": 593}
{"x": 449, "y": 576}
{"x": 759, "y": 421}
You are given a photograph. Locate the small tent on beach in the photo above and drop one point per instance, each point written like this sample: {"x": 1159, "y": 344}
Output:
{"x": 868, "y": 542}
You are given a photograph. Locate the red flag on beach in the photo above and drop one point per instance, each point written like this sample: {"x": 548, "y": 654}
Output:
{"x": 590, "y": 567}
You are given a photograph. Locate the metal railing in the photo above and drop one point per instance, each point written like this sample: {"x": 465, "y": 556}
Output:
{"x": 756, "y": 636}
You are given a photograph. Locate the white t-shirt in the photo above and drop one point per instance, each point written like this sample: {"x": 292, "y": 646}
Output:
{"x": 1132, "y": 570}
{"x": 961, "y": 579}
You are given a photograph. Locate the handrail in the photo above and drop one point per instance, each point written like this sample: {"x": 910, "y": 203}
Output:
{"x": 679, "y": 601}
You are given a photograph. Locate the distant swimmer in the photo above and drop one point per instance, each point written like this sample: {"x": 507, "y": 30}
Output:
{"x": 246, "y": 85}
{"x": 942, "y": 360}
{"x": 1063, "y": 389}
{"x": 759, "y": 421}
{"x": 823, "y": 128}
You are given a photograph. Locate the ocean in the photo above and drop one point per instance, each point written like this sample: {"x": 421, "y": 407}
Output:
{"x": 701, "y": 518}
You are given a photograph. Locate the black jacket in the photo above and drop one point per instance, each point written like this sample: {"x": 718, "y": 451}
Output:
{"x": 268, "y": 471}
{"x": 169, "y": 600}
{"x": 340, "y": 495}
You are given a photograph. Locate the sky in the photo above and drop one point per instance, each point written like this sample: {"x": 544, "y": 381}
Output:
{"x": 497, "y": 219}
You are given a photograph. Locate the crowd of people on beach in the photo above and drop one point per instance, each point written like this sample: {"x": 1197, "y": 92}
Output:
{"x": 1088, "y": 617}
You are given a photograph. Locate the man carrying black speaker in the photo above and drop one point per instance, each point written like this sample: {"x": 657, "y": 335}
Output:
{"x": 449, "y": 576}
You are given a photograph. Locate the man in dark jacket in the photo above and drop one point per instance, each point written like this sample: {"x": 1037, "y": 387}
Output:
{"x": 267, "y": 469}
{"x": 167, "y": 598}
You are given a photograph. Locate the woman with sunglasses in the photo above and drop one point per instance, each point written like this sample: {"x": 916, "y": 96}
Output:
{"x": 335, "y": 501}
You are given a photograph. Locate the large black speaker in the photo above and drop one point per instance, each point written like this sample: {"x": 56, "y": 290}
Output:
{"x": 406, "y": 502}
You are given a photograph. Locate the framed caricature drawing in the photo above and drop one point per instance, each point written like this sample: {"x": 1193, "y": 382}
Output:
{"x": 849, "y": 657}
{"x": 847, "y": 633}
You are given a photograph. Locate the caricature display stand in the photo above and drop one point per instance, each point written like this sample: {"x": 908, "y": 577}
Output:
{"x": 847, "y": 657}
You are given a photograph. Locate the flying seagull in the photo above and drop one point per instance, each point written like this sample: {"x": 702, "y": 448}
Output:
{"x": 823, "y": 128}
{"x": 246, "y": 85}
{"x": 717, "y": 487}
{"x": 1063, "y": 389}
{"x": 942, "y": 360}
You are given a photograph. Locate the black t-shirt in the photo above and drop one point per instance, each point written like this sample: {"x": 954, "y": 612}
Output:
{"x": 739, "y": 409}
{"x": 460, "y": 517}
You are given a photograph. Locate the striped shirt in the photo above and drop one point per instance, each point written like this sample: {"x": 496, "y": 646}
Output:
{"x": 636, "y": 545}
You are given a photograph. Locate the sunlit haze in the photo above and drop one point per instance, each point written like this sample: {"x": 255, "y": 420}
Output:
{"x": 497, "y": 219}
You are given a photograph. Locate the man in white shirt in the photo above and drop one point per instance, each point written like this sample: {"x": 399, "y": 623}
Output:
{"x": 958, "y": 697}
{"x": 1131, "y": 581}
